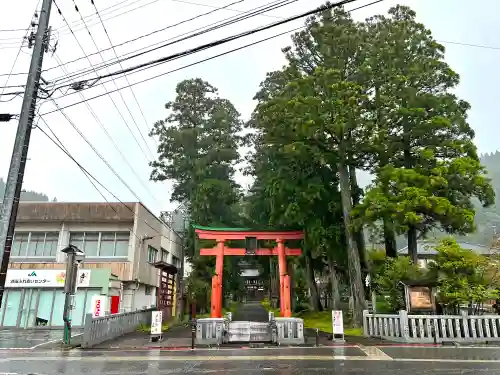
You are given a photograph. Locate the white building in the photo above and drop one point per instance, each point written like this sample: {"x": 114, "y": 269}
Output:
{"x": 125, "y": 247}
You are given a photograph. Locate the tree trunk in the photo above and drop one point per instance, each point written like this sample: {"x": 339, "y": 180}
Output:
{"x": 390, "y": 240}
{"x": 358, "y": 235}
{"x": 412, "y": 244}
{"x": 334, "y": 281}
{"x": 311, "y": 283}
{"x": 354, "y": 266}
{"x": 389, "y": 234}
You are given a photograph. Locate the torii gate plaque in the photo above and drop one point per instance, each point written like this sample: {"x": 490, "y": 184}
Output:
{"x": 223, "y": 235}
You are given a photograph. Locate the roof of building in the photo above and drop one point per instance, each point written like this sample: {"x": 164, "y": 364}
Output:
{"x": 429, "y": 248}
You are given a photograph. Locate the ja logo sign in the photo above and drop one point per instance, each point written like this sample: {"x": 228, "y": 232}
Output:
{"x": 32, "y": 274}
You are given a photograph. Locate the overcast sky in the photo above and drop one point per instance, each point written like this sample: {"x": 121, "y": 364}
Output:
{"x": 237, "y": 75}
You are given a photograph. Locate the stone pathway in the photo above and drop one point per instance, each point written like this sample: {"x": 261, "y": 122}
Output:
{"x": 252, "y": 311}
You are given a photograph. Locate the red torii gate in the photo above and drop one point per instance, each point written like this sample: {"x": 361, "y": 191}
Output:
{"x": 220, "y": 236}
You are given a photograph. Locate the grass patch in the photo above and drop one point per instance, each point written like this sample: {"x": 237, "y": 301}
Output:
{"x": 321, "y": 320}
{"x": 353, "y": 332}
{"x": 317, "y": 319}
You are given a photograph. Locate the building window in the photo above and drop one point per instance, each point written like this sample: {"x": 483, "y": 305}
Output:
{"x": 164, "y": 255}
{"x": 176, "y": 261}
{"x": 149, "y": 290}
{"x": 35, "y": 244}
{"x": 101, "y": 244}
{"x": 152, "y": 252}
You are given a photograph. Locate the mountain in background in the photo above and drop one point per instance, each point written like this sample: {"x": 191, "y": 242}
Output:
{"x": 31, "y": 196}
{"x": 488, "y": 219}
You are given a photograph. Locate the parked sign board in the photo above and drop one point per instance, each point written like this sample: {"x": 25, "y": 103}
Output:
{"x": 43, "y": 278}
{"x": 156, "y": 322}
{"x": 337, "y": 322}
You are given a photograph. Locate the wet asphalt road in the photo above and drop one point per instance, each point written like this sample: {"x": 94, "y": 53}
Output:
{"x": 318, "y": 361}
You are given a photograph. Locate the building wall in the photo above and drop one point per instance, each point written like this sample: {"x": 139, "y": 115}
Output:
{"x": 135, "y": 274}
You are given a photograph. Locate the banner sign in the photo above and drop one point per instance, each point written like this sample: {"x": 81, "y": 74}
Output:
{"x": 43, "y": 278}
{"x": 156, "y": 322}
{"x": 337, "y": 322}
{"x": 98, "y": 306}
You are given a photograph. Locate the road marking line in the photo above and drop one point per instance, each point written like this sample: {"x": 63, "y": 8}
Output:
{"x": 246, "y": 358}
{"x": 45, "y": 343}
{"x": 198, "y": 358}
{"x": 374, "y": 352}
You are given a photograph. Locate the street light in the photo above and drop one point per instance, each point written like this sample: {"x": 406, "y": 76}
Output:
{"x": 75, "y": 257}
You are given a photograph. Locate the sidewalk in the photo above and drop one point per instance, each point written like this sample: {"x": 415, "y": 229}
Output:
{"x": 176, "y": 337}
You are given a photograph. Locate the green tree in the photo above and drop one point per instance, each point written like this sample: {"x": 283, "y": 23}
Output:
{"x": 315, "y": 116}
{"x": 313, "y": 112}
{"x": 198, "y": 151}
{"x": 464, "y": 277}
{"x": 388, "y": 277}
{"x": 420, "y": 134}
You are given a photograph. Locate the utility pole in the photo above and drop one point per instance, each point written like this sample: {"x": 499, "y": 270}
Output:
{"x": 75, "y": 257}
{"x": 14, "y": 182}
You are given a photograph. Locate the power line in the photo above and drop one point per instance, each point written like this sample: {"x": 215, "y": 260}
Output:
{"x": 226, "y": 20}
{"x": 277, "y": 4}
{"x": 79, "y": 28}
{"x": 131, "y": 90}
{"x": 119, "y": 92}
{"x": 112, "y": 100}
{"x": 91, "y": 177}
{"x": 230, "y": 9}
{"x": 73, "y": 125}
{"x": 17, "y": 55}
{"x": 101, "y": 125}
{"x": 208, "y": 59}
{"x": 78, "y": 23}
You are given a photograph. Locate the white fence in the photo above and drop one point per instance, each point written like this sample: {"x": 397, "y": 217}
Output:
{"x": 110, "y": 327}
{"x": 431, "y": 328}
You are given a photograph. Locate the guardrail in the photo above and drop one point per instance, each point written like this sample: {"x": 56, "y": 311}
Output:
{"x": 110, "y": 327}
{"x": 431, "y": 328}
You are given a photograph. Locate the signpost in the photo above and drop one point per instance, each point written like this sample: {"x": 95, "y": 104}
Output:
{"x": 337, "y": 325}
{"x": 156, "y": 326}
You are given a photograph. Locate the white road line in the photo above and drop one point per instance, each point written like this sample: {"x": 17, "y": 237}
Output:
{"x": 374, "y": 352}
{"x": 45, "y": 343}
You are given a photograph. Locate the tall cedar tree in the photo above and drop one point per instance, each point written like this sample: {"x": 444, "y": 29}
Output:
{"x": 427, "y": 168}
{"x": 198, "y": 150}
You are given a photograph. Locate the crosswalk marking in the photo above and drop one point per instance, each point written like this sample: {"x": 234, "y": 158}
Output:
{"x": 372, "y": 351}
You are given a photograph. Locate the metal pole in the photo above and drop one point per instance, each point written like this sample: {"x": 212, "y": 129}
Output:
{"x": 70, "y": 284}
{"x": 180, "y": 284}
{"x": 15, "y": 176}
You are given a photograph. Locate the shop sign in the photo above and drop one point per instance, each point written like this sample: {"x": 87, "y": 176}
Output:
{"x": 43, "y": 278}
{"x": 98, "y": 306}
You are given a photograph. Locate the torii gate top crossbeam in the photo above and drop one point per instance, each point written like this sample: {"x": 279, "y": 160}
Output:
{"x": 204, "y": 234}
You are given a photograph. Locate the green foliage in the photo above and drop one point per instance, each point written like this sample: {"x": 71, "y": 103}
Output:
{"x": 387, "y": 280}
{"x": 464, "y": 276}
{"x": 198, "y": 151}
